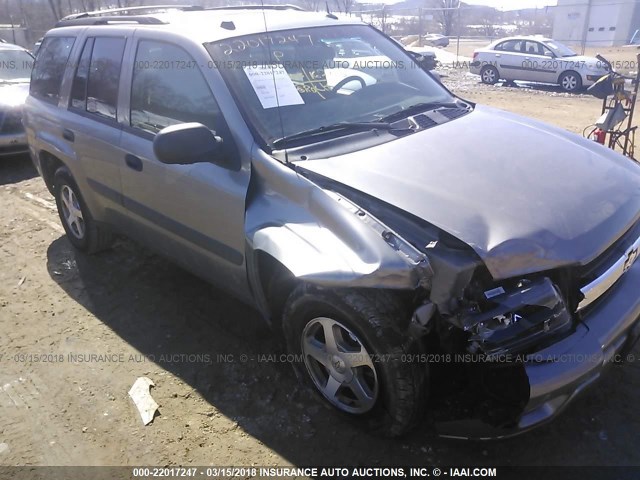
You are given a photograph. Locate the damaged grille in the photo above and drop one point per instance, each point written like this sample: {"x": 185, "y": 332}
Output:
{"x": 595, "y": 278}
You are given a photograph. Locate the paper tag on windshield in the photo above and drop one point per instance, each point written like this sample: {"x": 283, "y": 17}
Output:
{"x": 268, "y": 81}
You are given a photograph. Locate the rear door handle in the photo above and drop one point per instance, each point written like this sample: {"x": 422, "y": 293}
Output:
{"x": 68, "y": 135}
{"x": 133, "y": 162}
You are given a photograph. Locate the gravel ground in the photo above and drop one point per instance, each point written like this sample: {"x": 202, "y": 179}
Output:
{"x": 59, "y": 407}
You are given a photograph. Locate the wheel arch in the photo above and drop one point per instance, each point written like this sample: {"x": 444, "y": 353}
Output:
{"x": 49, "y": 163}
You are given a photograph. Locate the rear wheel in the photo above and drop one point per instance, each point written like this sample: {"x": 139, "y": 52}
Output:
{"x": 570, "y": 81}
{"x": 489, "y": 75}
{"x": 352, "y": 350}
{"x": 82, "y": 231}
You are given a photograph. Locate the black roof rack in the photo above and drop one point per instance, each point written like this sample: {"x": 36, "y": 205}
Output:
{"x": 285, "y": 6}
{"x": 121, "y": 15}
{"x": 127, "y": 10}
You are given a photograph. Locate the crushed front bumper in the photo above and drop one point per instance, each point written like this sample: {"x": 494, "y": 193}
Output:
{"x": 558, "y": 373}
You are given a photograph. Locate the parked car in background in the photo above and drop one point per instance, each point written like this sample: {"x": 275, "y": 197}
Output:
{"x": 436, "y": 40}
{"x": 426, "y": 59}
{"x": 536, "y": 59}
{"x": 15, "y": 70}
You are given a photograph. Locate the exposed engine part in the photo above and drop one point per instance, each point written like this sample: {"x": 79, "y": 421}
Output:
{"x": 517, "y": 320}
{"x": 424, "y": 313}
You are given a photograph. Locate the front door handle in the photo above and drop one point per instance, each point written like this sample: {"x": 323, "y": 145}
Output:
{"x": 68, "y": 135}
{"x": 133, "y": 162}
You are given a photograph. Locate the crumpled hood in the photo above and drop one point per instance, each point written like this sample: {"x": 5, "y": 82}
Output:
{"x": 13, "y": 95}
{"x": 525, "y": 196}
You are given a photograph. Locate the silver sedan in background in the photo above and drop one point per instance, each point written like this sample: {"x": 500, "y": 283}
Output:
{"x": 536, "y": 59}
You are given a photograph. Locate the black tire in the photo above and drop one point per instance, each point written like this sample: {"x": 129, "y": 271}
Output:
{"x": 93, "y": 238}
{"x": 570, "y": 81}
{"x": 379, "y": 324}
{"x": 489, "y": 75}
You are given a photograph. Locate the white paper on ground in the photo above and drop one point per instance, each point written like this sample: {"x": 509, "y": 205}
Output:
{"x": 268, "y": 81}
{"x": 141, "y": 396}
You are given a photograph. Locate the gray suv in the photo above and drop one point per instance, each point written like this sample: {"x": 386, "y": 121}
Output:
{"x": 418, "y": 253}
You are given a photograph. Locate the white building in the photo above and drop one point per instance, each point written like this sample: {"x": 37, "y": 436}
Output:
{"x": 597, "y": 23}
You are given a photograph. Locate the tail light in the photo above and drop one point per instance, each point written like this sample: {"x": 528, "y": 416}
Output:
{"x": 475, "y": 55}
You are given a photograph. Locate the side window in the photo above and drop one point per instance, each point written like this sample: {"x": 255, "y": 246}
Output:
{"x": 168, "y": 88}
{"x": 509, "y": 46}
{"x": 104, "y": 76}
{"x": 79, "y": 87}
{"x": 51, "y": 63}
{"x": 533, "y": 48}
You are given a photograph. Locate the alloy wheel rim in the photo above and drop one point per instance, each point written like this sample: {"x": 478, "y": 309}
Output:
{"x": 339, "y": 365}
{"x": 489, "y": 75}
{"x": 569, "y": 82}
{"x": 72, "y": 212}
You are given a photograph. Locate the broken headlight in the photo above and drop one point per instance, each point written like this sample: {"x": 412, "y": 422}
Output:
{"x": 518, "y": 320}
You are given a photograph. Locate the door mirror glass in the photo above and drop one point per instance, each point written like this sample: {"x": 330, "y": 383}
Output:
{"x": 187, "y": 143}
{"x": 549, "y": 53}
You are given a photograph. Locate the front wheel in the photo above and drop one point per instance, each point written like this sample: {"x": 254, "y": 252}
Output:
{"x": 571, "y": 81}
{"x": 353, "y": 350}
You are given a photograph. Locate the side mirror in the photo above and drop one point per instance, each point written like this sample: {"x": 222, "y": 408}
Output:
{"x": 186, "y": 143}
{"x": 549, "y": 54}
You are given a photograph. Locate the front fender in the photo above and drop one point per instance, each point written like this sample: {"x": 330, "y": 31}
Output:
{"x": 321, "y": 237}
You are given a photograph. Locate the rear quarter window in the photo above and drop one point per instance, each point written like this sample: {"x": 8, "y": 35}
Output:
{"x": 50, "y": 66}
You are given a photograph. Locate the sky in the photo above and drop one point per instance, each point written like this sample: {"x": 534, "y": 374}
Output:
{"x": 512, "y": 4}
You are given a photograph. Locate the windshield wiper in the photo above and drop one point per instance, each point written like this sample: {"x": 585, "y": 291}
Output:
{"x": 419, "y": 108}
{"x": 346, "y": 127}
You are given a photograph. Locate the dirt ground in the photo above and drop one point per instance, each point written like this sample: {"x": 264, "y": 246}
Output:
{"x": 223, "y": 399}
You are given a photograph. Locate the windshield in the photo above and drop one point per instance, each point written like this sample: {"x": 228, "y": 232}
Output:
{"x": 321, "y": 76}
{"x": 15, "y": 66}
{"x": 560, "y": 50}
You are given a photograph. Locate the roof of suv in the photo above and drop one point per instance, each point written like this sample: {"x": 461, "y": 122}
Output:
{"x": 218, "y": 24}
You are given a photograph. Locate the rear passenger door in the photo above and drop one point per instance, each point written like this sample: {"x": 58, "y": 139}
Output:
{"x": 91, "y": 126}
{"x": 510, "y": 60}
{"x": 192, "y": 213}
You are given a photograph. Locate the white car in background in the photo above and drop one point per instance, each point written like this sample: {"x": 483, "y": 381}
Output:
{"x": 536, "y": 59}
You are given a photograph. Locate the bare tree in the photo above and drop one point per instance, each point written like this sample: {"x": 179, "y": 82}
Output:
{"x": 313, "y": 5}
{"x": 56, "y": 13}
{"x": 446, "y": 14}
{"x": 489, "y": 18}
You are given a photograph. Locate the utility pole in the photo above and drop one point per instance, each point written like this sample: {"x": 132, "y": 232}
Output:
{"x": 420, "y": 26}
{"x": 587, "y": 21}
{"x": 459, "y": 32}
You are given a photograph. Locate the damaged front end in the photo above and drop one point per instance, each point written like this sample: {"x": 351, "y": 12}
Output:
{"x": 482, "y": 334}
{"x": 478, "y": 333}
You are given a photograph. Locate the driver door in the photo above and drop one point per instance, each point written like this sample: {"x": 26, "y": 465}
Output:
{"x": 193, "y": 214}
